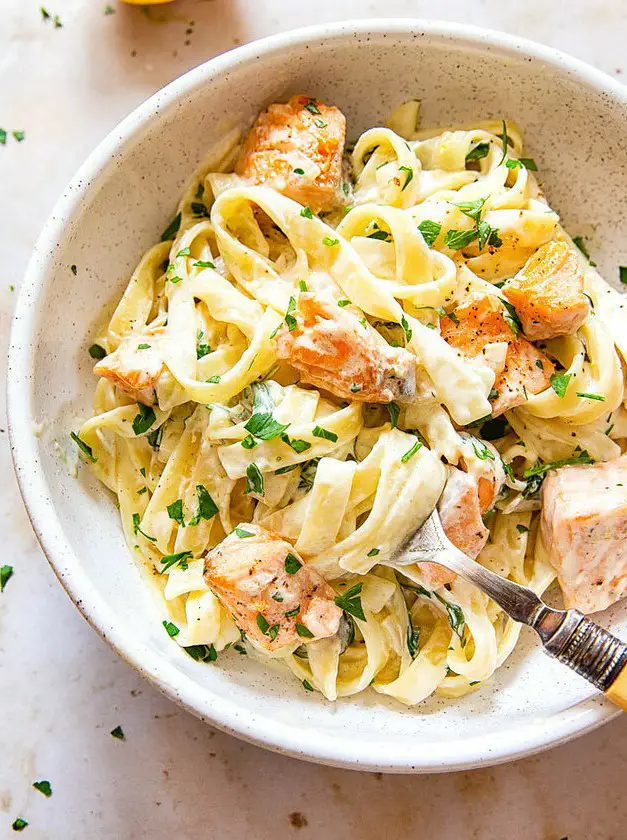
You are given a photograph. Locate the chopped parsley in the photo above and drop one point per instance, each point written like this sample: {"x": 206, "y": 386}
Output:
{"x": 472, "y": 209}
{"x": 430, "y": 231}
{"x": 43, "y": 787}
{"x": 504, "y": 139}
{"x": 355, "y": 388}
{"x": 296, "y": 444}
{"x": 586, "y": 396}
{"x": 3, "y": 137}
{"x": 411, "y": 452}
{"x": 303, "y": 631}
{"x": 413, "y": 637}
{"x": 84, "y": 448}
{"x": 394, "y": 411}
{"x": 202, "y": 653}
{"x": 175, "y": 512}
{"x": 455, "y": 617}
{"x": 406, "y": 329}
{"x": 302, "y": 286}
{"x": 254, "y": 480}
{"x": 581, "y": 245}
{"x": 283, "y": 470}
{"x": 350, "y": 602}
{"x": 199, "y": 209}
{"x": 478, "y": 152}
{"x": 207, "y": 508}
{"x": 19, "y": 824}
{"x": 200, "y": 191}
{"x": 512, "y": 318}
{"x": 172, "y": 229}
{"x": 482, "y": 451}
{"x": 154, "y": 438}
{"x": 137, "y": 529}
{"x": 214, "y": 380}
{"x": 264, "y": 426}
{"x": 307, "y": 685}
{"x": 118, "y": 733}
{"x": 299, "y": 171}
{"x": 203, "y": 264}
{"x": 383, "y": 235}
{"x": 262, "y": 624}
{"x": 249, "y": 442}
{"x": 330, "y": 242}
{"x": 319, "y": 432}
{"x": 144, "y": 420}
{"x": 292, "y": 613}
{"x": 6, "y": 573}
{"x": 306, "y": 212}
{"x": 373, "y": 552}
{"x": 457, "y": 239}
{"x": 559, "y": 383}
{"x": 184, "y": 252}
{"x": 242, "y": 534}
{"x": 170, "y": 628}
{"x": 346, "y": 302}
{"x": 622, "y": 273}
{"x": 292, "y": 564}
{"x": 409, "y": 174}
{"x": 522, "y": 529}
{"x": 320, "y": 123}
{"x": 529, "y": 163}
{"x": 312, "y": 107}
{"x": 143, "y": 346}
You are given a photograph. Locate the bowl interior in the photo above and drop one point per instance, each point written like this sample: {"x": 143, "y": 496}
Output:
{"x": 117, "y": 207}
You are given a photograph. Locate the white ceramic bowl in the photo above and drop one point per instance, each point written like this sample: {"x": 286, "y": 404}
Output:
{"x": 574, "y": 118}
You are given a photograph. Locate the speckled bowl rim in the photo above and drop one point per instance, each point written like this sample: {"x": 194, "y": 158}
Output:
{"x": 287, "y": 738}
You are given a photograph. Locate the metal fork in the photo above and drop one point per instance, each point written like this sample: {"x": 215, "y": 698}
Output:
{"x": 567, "y": 635}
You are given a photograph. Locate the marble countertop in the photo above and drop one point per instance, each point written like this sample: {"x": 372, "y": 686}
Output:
{"x": 62, "y": 690}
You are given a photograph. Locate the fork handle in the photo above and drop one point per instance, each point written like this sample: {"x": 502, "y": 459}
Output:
{"x": 594, "y": 653}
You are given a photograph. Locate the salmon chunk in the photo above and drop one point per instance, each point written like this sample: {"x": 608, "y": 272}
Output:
{"x": 135, "y": 366}
{"x": 297, "y": 149}
{"x": 584, "y": 531}
{"x": 460, "y": 514}
{"x": 336, "y": 351}
{"x": 548, "y": 293}
{"x": 274, "y": 597}
{"x": 520, "y": 371}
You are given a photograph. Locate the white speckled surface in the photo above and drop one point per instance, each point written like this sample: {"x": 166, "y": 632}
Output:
{"x": 62, "y": 689}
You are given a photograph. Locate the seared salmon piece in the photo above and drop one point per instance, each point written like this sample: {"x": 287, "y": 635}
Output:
{"x": 336, "y": 351}
{"x": 273, "y": 596}
{"x": 548, "y": 293}
{"x": 136, "y": 365}
{"x": 469, "y": 493}
{"x": 522, "y": 371}
{"x": 584, "y": 531}
{"x": 297, "y": 149}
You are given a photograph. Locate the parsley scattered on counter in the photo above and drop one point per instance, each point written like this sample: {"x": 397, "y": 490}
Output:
{"x": 43, "y": 787}
{"x": 97, "y": 352}
{"x": 118, "y": 733}
{"x": 6, "y": 573}
{"x": 19, "y": 824}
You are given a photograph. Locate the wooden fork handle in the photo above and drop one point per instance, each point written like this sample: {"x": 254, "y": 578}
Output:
{"x": 597, "y": 655}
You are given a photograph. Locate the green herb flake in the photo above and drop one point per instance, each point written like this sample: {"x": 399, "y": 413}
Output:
{"x": 411, "y": 452}
{"x": 171, "y": 629}
{"x": 406, "y": 329}
{"x": 373, "y": 552}
{"x": 559, "y": 383}
{"x": 307, "y": 685}
{"x": 254, "y": 480}
{"x": 408, "y": 176}
{"x": 350, "y": 602}
{"x": 175, "y": 512}
{"x": 292, "y": 613}
{"x": 329, "y": 242}
{"x": 504, "y": 139}
{"x": 472, "y": 209}
{"x": 118, "y": 733}
{"x": 296, "y": 444}
{"x": 457, "y": 239}
{"x": 319, "y": 432}
{"x": 277, "y": 597}
{"x": 292, "y": 564}
{"x": 312, "y": 107}
{"x": 84, "y": 448}
{"x": 529, "y": 163}
{"x": 478, "y": 152}
{"x": 172, "y": 229}
{"x": 137, "y": 529}
{"x": 143, "y": 346}
{"x": 302, "y": 286}
{"x": 622, "y": 273}
{"x": 346, "y": 302}
{"x": 18, "y": 135}
{"x": 413, "y": 637}
{"x": 97, "y": 352}
{"x": 306, "y": 212}
{"x": 214, "y": 380}
{"x": 455, "y": 617}
{"x": 207, "y": 508}
{"x": 283, "y": 470}
{"x": 512, "y": 318}
{"x": 540, "y": 469}
{"x": 482, "y": 451}
{"x": 184, "y": 252}
{"x": 522, "y": 529}
{"x": 6, "y": 573}
{"x": 304, "y": 632}
{"x": 203, "y": 264}
{"x": 586, "y": 396}
{"x": 202, "y": 653}
{"x": 200, "y": 191}
{"x": 262, "y": 623}
{"x": 199, "y": 209}
{"x": 581, "y": 245}
{"x": 241, "y": 533}
{"x": 249, "y": 442}
{"x": 394, "y": 411}
{"x": 320, "y": 123}
{"x": 144, "y": 420}
{"x": 179, "y": 559}
{"x": 43, "y": 787}
{"x": 383, "y": 235}
{"x": 3, "y": 137}
{"x": 264, "y": 427}
{"x": 19, "y": 824}
{"x": 430, "y": 231}
{"x": 299, "y": 171}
